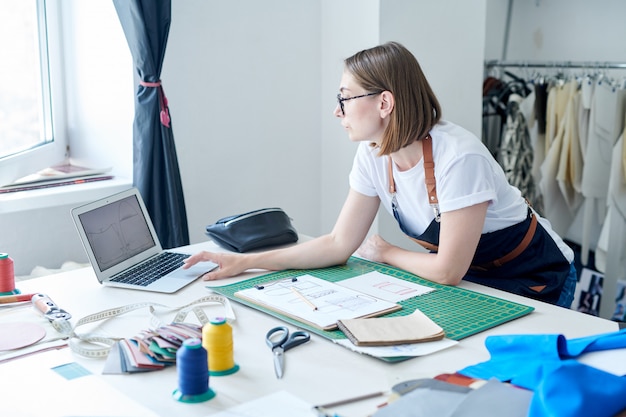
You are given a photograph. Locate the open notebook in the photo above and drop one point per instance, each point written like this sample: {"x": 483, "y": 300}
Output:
{"x": 124, "y": 249}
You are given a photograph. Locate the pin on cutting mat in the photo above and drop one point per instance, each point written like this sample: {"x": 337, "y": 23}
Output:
{"x": 280, "y": 341}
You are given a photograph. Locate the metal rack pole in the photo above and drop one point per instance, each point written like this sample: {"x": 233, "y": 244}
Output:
{"x": 556, "y": 64}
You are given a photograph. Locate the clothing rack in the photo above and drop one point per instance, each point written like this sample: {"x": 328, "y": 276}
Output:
{"x": 556, "y": 64}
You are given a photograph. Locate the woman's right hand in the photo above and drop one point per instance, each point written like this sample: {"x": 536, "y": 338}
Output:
{"x": 228, "y": 264}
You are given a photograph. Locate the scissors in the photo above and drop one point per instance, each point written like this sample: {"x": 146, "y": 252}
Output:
{"x": 279, "y": 340}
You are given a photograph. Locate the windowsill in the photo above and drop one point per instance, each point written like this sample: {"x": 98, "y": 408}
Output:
{"x": 75, "y": 194}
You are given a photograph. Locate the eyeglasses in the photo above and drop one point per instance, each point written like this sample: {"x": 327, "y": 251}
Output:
{"x": 340, "y": 99}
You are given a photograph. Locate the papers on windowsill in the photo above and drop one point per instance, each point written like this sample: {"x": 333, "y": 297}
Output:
{"x": 57, "y": 176}
{"x": 59, "y": 172}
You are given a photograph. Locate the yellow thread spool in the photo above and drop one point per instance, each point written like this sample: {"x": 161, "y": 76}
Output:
{"x": 217, "y": 339}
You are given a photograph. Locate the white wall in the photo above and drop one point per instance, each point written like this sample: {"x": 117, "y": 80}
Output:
{"x": 558, "y": 30}
{"x": 448, "y": 39}
{"x": 346, "y": 27}
{"x": 243, "y": 82}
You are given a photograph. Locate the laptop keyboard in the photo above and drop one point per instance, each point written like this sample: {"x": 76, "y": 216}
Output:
{"x": 149, "y": 271}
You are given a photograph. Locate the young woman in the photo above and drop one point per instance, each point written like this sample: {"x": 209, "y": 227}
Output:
{"x": 440, "y": 183}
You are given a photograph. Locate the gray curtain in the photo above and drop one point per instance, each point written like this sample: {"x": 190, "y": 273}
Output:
{"x": 146, "y": 25}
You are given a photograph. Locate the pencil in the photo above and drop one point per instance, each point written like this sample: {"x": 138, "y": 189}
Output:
{"x": 7, "y": 299}
{"x": 352, "y": 400}
{"x": 306, "y": 300}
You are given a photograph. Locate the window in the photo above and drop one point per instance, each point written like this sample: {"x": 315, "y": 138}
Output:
{"x": 28, "y": 141}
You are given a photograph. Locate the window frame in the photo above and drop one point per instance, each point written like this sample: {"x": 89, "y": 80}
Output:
{"x": 56, "y": 151}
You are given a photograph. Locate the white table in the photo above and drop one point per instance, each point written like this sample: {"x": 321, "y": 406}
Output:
{"x": 317, "y": 372}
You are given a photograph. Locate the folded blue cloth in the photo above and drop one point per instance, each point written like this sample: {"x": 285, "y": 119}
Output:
{"x": 562, "y": 386}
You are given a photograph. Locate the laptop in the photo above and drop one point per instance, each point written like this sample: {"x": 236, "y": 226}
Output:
{"x": 124, "y": 249}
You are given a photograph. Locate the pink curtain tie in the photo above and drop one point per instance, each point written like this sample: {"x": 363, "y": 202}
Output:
{"x": 165, "y": 112}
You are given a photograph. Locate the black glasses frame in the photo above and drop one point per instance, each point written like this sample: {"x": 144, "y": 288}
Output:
{"x": 340, "y": 99}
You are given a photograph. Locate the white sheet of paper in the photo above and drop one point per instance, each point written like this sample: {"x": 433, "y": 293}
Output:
{"x": 385, "y": 287}
{"x": 278, "y": 404}
{"x": 413, "y": 349}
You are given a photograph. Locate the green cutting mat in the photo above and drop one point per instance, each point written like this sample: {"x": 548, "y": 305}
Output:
{"x": 460, "y": 312}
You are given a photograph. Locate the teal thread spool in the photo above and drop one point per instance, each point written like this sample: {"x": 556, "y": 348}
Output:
{"x": 193, "y": 375}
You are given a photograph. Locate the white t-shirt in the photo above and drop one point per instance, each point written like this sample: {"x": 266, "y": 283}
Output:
{"x": 466, "y": 174}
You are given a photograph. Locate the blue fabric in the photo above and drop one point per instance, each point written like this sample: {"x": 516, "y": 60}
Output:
{"x": 545, "y": 364}
{"x": 573, "y": 389}
{"x": 569, "y": 288}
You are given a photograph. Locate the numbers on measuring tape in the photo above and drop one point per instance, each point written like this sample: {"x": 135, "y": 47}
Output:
{"x": 95, "y": 346}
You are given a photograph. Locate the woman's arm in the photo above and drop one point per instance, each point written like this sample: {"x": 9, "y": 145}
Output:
{"x": 458, "y": 239}
{"x": 335, "y": 248}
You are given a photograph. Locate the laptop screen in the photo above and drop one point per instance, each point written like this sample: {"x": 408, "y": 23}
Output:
{"x": 116, "y": 231}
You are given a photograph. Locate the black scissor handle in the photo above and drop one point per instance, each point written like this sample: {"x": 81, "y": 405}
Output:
{"x": 296, "y": 339}
{"x": 273, "y": 341}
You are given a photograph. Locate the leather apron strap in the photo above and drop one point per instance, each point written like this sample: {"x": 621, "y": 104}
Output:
{"x": 429, "y": 170}
{"x": 431, "y": 188}
{"x": 521, "y": 247}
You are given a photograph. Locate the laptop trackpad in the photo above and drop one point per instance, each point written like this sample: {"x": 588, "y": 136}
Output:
{"x": 194, "y": 272}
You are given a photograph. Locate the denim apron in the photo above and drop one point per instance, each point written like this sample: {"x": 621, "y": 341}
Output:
{"x": 522, "y": 259}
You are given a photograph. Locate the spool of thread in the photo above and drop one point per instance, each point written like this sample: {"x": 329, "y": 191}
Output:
{"x": 217, "y": 339}
{"x": 7, "y": 275}
{"x": 193, "y": 378}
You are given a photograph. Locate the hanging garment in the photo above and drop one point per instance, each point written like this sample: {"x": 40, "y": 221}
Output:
{"x": 539, "y": 144}
{"x": 494, "y": 112}
{"x": 624, "y": 163}
{"x": 541, "y": 101}
{"x": 606, "y": 123}
{"x": 587, "y": 88}
{"x": 556, "y": 208}
{"x": 569, "y": 174}
{"x": 516, "y": 151}
{"x": 605, "y": 127}
{"x": 611, "y": 251}
{"x": 496, "y": 95}
{"x": 558, "y": 96}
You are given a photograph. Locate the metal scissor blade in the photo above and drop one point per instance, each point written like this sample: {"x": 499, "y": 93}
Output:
{"x": 279, "y": 361}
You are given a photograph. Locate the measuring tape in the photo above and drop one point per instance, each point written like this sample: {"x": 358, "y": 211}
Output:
{"x": 97, "y": 346}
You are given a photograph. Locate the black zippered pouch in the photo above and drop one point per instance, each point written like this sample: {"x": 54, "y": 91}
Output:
{"x": 253, "y": 230}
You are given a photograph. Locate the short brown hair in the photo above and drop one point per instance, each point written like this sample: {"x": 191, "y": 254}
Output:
{"x": 391, "y": 67}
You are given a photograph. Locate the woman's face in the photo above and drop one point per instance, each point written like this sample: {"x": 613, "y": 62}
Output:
{"x": 361, "y": 117}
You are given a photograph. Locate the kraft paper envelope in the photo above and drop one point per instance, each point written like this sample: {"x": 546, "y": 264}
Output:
{"x": 386, "y": 331}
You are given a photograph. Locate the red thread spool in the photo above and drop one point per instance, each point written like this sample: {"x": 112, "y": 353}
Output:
{"x": 7, "y": 275}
